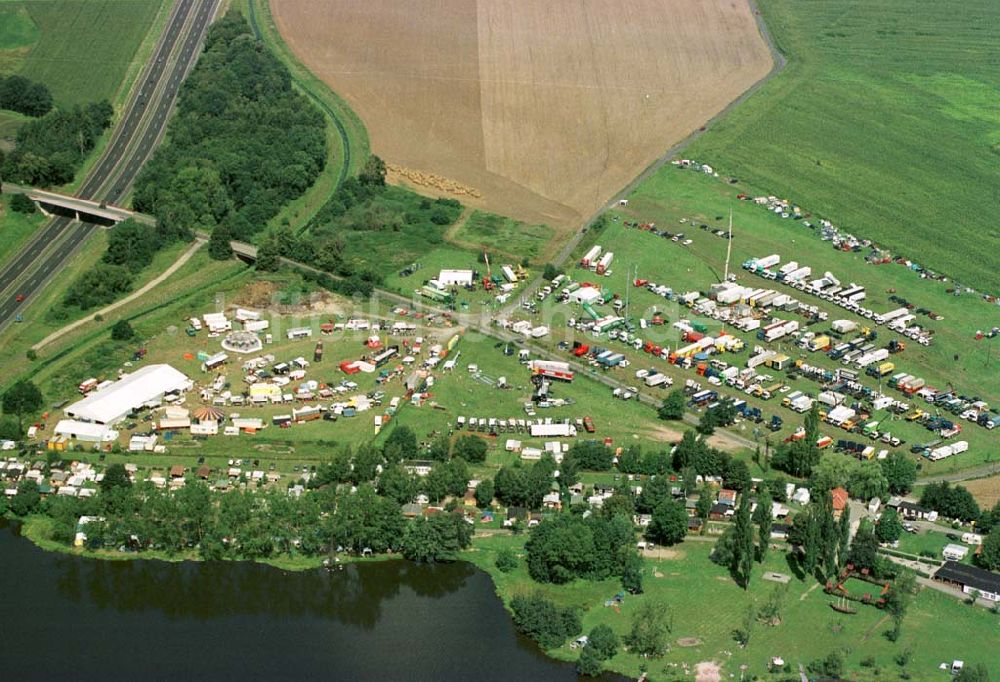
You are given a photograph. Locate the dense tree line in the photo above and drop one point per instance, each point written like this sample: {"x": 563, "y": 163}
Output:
{"x": 49, "y": 150}
{"x": 25, "y": 96}
{"x": 242, "y": 143}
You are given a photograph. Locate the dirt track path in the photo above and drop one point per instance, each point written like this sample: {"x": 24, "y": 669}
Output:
{"x": 152, "y": 284}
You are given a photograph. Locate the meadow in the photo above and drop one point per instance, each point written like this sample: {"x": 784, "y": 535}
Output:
{"x": 704, "y": 604}
{"x": 74, "y": 55}
{"x": 499, "y": 234}
{"x": 15, "y": 228}
{"x": 884, "y": 121}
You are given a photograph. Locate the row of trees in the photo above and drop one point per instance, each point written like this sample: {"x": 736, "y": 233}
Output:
{"x": 25, "y": 96}
{"x": 737, "y": 548}
{"x": 242, "y": 143}
{"x": 244, "y": 525}
{"x": 954, "y": 502}
{"x": 49, "y": 150}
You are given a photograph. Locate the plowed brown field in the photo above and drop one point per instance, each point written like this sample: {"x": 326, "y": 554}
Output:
{"x": 546, "y": 108}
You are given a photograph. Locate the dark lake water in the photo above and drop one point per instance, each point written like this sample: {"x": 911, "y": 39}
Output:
{"x": 89, "y": 619}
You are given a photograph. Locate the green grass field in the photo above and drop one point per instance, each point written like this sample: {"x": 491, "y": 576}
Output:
{"x": 884, "y": 121}
{"x": 17, "y": 30}
{"x": 498, "y": 234}
{"x": 10, "y": 121}
{"x": 460, "y": 393}
{"x": 703, "y": 602}
{"x": 86, "y": 47}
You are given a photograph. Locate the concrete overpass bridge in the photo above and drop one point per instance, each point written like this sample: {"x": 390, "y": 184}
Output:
{"x": 83, "y": 210}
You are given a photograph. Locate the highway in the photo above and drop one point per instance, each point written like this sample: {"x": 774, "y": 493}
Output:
{"x": 139, "y": 129}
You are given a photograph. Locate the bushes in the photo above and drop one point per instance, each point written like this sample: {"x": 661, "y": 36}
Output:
{"x": 100, "y": 285}
{"x": 436, "y": 538}
{"x": 371, "y": 226}
{"x": 543, "y": 621}
{"x": 132, "y": 245}
{"x": 506, "y": 560}
{"x": 122, "y": 331}
{"x": 24, "y": 96}
{"x": 591, "y": 455}
{"x": 471, "y": 449}
{"x": 20, "y": 203}
{"x": 568, "y": 547}
{"x": 954, "y": 502}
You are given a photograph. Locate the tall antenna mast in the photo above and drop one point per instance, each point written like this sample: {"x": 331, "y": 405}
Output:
{"x": 729, "y": 246}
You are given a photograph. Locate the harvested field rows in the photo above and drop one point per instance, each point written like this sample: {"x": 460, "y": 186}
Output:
{"x": 546, "y": 109}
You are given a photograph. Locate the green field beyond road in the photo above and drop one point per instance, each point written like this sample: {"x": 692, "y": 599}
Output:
{"x": 85, "y": 47}
{"x": 885, "y": 121}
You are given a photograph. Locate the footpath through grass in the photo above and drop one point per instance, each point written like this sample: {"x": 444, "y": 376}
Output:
{"x": 885, "y": 121}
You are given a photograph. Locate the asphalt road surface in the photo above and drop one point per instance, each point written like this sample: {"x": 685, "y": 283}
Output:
{"x": 133, "y": 140}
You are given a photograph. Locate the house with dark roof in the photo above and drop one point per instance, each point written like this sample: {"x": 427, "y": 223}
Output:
{"x": 779, "y": 531}
{"x": 720, "y": 512}
{"x": 516, "y": 513}
{"x": 913, "y": 511}
{"x": 970, "y": 578}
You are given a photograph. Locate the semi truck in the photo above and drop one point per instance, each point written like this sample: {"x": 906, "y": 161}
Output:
{"x": 590, "y": 257}
{"x": 605, "y": 262}
{"x": 551, "y": 369}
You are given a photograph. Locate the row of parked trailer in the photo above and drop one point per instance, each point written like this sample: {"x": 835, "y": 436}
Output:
{"x": 829, "y": 288}
{"x": 538, "y": 428}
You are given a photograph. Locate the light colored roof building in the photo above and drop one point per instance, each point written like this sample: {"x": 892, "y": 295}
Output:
{"x": 449, "y": 278}
{"x": 143, "y": 387}
{"x": 84, "y": 431}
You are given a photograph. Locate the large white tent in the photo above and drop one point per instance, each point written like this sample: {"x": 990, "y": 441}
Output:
{"x": 84, "y": 431}
{"x": 143, "y": 387}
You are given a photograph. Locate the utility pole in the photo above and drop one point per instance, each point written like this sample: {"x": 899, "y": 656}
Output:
{"x": 729, "y": 240}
